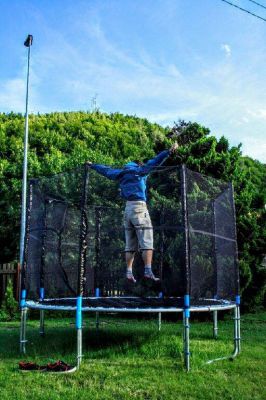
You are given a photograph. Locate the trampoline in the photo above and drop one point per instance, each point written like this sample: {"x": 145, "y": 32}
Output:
{"x": 74, "y": 250}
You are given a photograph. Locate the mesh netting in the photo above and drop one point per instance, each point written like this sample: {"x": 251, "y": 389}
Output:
{"x": 52, "y": 251}
{"x": 106, "y": 242}
{"x": 75, "y": 238}
{"x": 212, "y": 237}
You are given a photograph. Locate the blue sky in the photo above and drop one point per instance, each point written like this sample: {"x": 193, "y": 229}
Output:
{"x": 198, "y": 60}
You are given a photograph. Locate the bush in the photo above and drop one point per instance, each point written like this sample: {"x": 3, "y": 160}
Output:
{"x": 9, "y": 310}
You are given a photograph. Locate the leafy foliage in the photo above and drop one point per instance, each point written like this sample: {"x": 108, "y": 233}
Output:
{"x": 9, "y": 308}
{"x": 206, "y": 154}
{"x": 61, "y": 141}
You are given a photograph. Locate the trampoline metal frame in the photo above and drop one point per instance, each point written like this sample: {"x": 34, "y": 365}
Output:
{"x": 185, "y": 310}
{"x": 28, "y": 304}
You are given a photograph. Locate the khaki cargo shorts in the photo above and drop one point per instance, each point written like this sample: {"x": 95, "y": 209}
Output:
{"x": 138, "y": 227}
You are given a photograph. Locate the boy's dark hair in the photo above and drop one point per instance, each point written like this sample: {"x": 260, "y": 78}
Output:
{"x": 140, "y": 163}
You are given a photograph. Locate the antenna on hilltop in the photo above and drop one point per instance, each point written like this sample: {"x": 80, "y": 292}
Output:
{"x": 94, "y": 107}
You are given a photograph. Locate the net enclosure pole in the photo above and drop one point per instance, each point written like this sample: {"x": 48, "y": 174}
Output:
{"x": 236, "y": 309}
{"x": 82, "y": 261}
{"x": 162, "y": 240}
{"x": 28, "y": 44}
{"x": 237, "y": 335}
{"x": 97, "y": 289}
{"x": 215, "y": 283}
{"x": 42, "y": 291}
{"x": 23, "y": 294}
{"x": 186, "y": 309}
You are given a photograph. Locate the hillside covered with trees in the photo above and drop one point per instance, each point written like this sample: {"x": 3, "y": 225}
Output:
{"x": 61, "y": 141}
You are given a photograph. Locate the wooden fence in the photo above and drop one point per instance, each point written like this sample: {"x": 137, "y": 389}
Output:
{"x": 8, "y": 272}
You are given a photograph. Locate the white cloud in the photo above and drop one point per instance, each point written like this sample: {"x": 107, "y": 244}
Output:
{"x": 227, "y": 49}
{"x": 12, "y": 95}
{"x": 255, "y": 147}
{"x": 259, "y": 113}
{"x": 13, "y": 92}
{"x": 168, "y": 117}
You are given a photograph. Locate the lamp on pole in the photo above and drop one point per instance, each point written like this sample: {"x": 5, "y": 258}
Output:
{"x": 28, "y": 44}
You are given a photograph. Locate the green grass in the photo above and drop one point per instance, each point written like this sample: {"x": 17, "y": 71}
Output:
{"x": 130, "y": 359}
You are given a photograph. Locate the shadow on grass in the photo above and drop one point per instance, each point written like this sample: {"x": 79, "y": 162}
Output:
{"x": 102, "y": 339}
{"x": 60, "y": 342}
{"x": 126, "y": 340}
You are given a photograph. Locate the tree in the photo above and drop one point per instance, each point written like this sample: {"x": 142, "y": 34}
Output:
{"x": 61, "y": 141}
{"x": 205, "y": 154}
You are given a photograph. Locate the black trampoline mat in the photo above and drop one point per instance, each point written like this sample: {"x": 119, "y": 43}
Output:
{"x": 132, "y": 302}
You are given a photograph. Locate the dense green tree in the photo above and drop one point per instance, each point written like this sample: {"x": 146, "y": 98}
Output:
{"x": 58, "y": 142}
{"x": 204, "y": 153}
{"x": 61, "y": 141}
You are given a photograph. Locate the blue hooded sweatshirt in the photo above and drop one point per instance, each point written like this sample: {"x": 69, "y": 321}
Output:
{"x": 132, "y": 178}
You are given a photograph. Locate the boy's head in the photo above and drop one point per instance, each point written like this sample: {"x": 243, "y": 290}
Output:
{"x": 133, "y": 164}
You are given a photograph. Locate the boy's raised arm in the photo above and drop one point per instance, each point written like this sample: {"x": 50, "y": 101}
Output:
{"x": 159, "y": 159}
{"x": 108, "y": 172}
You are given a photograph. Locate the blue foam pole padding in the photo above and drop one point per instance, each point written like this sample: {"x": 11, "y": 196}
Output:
{"x": 23, "y": 298}
{"x": 187, "y": 313}
{"x": 186, "y": 301}
{"x": 187, "y": 305}
{"x": 79, "y": 313}
{"x": 41, "y": 293}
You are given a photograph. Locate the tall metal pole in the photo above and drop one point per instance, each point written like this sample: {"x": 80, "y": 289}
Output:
{"x": 186, "y": 310}
{"x": 27, "y": 43}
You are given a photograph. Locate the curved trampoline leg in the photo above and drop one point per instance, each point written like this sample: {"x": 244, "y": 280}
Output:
{"x": 239, "y": 333}
{"x": 236, "y": 338}
{"x": 23, "y": 341}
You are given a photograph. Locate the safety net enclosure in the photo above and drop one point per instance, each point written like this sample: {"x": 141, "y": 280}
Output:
{"x": 75, "y": 238}
{"x": 74, "y": 256}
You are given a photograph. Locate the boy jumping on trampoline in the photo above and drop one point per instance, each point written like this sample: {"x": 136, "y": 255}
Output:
{"x": 137, "y": 222}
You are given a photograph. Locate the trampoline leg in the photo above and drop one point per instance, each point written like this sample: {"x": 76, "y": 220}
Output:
{"x": 236, "y": 338}
{"x": 42, "y": 322}
{"x": 159, "y": 321}
{"x": 236, "y": 332}
{"x": 23, "y": 321}
{"x": 97, "y": 321}
{"x": 79, "y": 347}
{"x": 215, "y": 324}
{"x": 79, "y": 330}
{"x": 186, "y": 341}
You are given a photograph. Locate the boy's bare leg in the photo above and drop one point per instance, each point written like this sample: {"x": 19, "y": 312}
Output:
{"x": 147, "y": 257}
{"x": 129, "y": 261}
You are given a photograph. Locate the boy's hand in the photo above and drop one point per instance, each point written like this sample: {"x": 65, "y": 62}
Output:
{"x": 174, "y": 148}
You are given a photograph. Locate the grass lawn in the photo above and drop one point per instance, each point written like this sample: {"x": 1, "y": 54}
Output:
{"x": 131, "y": 359}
